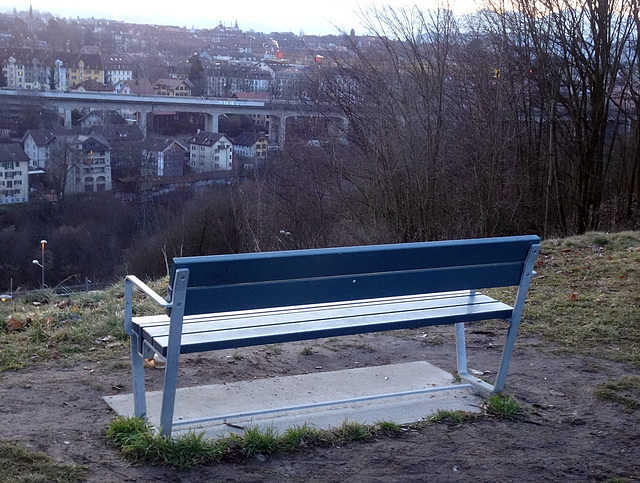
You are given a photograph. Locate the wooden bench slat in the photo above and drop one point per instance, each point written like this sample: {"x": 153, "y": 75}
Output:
{"x": 157, "y": 326}
{"x": 204, "y": 336}
{"x": 226, "y": 298}
{"x": 161, "y": 319}
{"x": 326, "y": 262}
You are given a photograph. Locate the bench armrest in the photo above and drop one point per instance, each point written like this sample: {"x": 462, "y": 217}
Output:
{"x": 148, "y": 291}
{"x": 129, "y": 281}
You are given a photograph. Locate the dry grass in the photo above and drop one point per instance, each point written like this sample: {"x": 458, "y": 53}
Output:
{"x": 585, "y": 298}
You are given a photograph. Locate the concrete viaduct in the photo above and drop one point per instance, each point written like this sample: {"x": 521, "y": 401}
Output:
{"x": 279, "y": 111}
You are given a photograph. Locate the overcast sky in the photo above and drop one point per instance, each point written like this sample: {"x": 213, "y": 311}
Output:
{"x": 310, "y": 17}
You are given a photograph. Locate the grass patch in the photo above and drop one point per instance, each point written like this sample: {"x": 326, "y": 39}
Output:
{"x": 137, "y": 441}
{"x": 387, "y": 427}
{"x": 455, "y": 417}
{"x": 19, "y": 465}
{"x": 624, "y": 391}
{"x": 300, "y": 436}
{"x": 503, "y": 406}
{"x": 86, "y": 325}
{"x": 585, "y": 297}
{"x": 253, "y": 441}
{"x": 351, "y": 431}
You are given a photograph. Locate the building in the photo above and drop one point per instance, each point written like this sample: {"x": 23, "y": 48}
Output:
{"x": 87, "y": 67}
{"x": 25, "y": 69}
{"x": 38, "y": 145}
{"x": 117, "y": 68}
{"x": 173, "y": 87}
{"x": 14, "y": 174}
{"x": 210, "y": 151}
{"x": 164, "y": 157}
{"x": 140, "y": 87}
{"x": 92, "y": 85}
{"x": 101, "y": 117}
{"x": 88, "y": 164}
{"x": 251, "y": 145}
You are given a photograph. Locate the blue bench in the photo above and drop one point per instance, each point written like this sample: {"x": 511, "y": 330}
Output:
{"x": 231, "y": 301}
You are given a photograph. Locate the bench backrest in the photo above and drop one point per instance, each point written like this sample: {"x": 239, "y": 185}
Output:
{"x": 221, "y": 283}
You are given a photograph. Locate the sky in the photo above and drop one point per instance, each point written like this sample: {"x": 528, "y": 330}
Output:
{"x": 296, "y": 16}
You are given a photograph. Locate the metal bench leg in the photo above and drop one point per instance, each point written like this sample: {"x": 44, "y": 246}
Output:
{"x": 461, "y": 350}
{"x": 137, "y": 368}
{"x": 512, "y": 333}
{"x": 137, "y": 372}
{"x": 514, "y": 322}
{"x": 173, "y": 352}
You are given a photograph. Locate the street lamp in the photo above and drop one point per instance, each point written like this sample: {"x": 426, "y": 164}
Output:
{"x": 41, "y": 265}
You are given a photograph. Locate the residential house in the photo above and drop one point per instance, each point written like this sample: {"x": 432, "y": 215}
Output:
{"x": 88, "y": 166}
{"x": 226, "y": 79}
{"x": 164, "y": 156}
{"x": 91, "y": 85}
{"x": 173, "y": 87}
{"x": 60, "y": 75}
{"x": 14, "y": 174}
{"x": 140, "y": 87}
{"x": 117, "y": 68}
{"x": 101, "y": 117}
{"x": 87, "y": 67}
{"x": 210, "y": 151}
{"x": 120, "y": 133}
{"x": 251, "y": 148}
{"x": 24, "y": 69}
{"x": 38, "y": 145}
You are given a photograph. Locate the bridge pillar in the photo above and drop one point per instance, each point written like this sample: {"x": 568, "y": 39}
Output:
{"x": 67, "y": 118}
{"x": 141, "y": 118}
{"x": 211, "y": 122}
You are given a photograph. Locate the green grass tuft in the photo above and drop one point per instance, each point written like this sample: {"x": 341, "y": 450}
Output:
{"x": 254, "y": 441}
{"x": 137, "y": 441}
{"x": 299, "y": 436}
{"x": 503, "y": 406}
{"x": 455, "y": 417}
{"x": 351, "y": 431}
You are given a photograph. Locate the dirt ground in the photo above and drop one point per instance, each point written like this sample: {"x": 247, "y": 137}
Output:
{"x": 567, "y": 434}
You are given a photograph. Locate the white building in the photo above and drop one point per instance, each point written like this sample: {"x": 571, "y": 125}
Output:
{"x": 14, "y": 174}
{"x": 38, "y": 144}
{"x": 210, "y": 151}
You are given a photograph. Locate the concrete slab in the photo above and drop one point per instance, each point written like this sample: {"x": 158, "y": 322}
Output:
{"x": 233, "y": 406}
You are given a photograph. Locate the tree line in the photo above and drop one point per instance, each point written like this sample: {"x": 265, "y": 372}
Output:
{"x": 521, "y": 117}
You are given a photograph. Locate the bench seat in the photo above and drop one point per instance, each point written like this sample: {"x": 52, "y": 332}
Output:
{"x": 226, "y": 330}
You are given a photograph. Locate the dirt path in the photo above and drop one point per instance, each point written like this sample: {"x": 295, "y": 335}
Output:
{"x": 568, "y": 435}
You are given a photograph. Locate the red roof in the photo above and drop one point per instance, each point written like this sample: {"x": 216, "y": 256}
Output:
{"x": 252, "y": 96}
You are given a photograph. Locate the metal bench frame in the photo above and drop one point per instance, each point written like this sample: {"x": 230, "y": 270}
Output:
{"x": 231, "y": 301}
